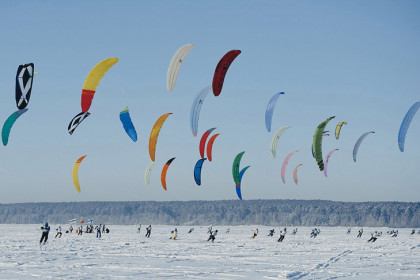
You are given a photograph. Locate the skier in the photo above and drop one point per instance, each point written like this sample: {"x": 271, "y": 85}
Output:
{"x": 212, "y": 236}
{"x": 360, "y": 232}
{"x": 149, "y": 231}
{"x": 255, "y": 233}
{"x": 271, "y": 232}
{"x": 58, "y": 232}
{"x": 45, "y": 232}
{"x": 282, "y": 234}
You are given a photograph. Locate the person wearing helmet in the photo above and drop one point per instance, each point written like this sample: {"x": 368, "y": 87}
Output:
{"x": 45, "y": 231}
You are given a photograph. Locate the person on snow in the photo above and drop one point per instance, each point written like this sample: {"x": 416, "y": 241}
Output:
{"x": 294, "y": 231}
{"x": 191, "y": 230}
{"x": 209, "y": 230}
{"x": 373, "y": 236}
{"x": 98, "y": 231}
{"x": 271, "y": 232}
{"x": 58, "y": 232}
{"x": 138, "y": 229}
{"x": 174, "y": 234}
{"x": 360, "y": 232}
{"x": 348, "y": 231}
{"x": 148, "y": 231}
{"x": 45, "y": 232}
{"x": 255, "y": 233}
{"x": 282, "y": 234}
{"x": 212, "y": 236}
{"x": 71, "y": 229}
{"x": 228, "y": 230}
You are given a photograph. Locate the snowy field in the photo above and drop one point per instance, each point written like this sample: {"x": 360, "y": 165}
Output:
{"x": 125, "y": 254}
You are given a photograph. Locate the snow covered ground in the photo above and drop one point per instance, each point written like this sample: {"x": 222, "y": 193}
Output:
{"x": 125, "y": 254}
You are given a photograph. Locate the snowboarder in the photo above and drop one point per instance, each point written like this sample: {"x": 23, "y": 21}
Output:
{"x": 271, "y": 232}
{"x": 45, "y": 232}
{"x": 149, "y": 231}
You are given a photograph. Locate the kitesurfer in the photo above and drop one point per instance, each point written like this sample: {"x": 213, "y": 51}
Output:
{"x": 45, "y": 231}
{"x": 174, "y": 234}
{"x": 228, "y": 230}
{"x": 138, "y": 229}
{"x": 71, "y": 229}
{"x": 149, "y": 231}
{"x": 212, "y": 236}
{"x": 373, "y": 236}
{"x": 294, "y": 231}
{"x": 360, "y": 232}
{"x": 103, "y": 229}
{"x": 282, "y": 234}
{"x": 191, "y": 230}
{"x": 58, "y": 232}
{"x": 413, "y": 231}
{"x": 349, "y": 230}
{"x": 271, "y": 232}
{"x": 255, "y": 233}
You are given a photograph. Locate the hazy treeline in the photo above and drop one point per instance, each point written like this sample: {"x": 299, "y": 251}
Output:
{"x": 223, "y": 212}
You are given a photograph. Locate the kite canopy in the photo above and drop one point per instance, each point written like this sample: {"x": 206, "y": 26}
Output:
{"x": 284, "y": 166}
{"x": 356, "y": 146}
{"x": 238, "y": 188}
{"x": 128, "y": 124}
{"x": 338, "y": 129}
{"x": 24, "y": 80}
{"x": 175, "y": 65}
{"x": 405, "y": 124}
{"x": 203, "y": 141}
{"x": 327, "y": 159}
{"x": 75, "y": 173}
{"x": 270, "y": 109}
{"x": 210, "y": 146}
{"x": 148, "y": 172}
{"x": 197, "y": 171}
{"x": 76, "y": 121}
{"x": 196, "y": 108}
{"x": 8, "y": 124}
{"x": 235, "y": 168}
{"x": 221, "y": 69}
{"x": 163, "y": 174}
{"x": 93, "y": 79}
{"x": 275, "y": 140}
{"x": 295, "y": 178}
{"x": 317, "y": 143}
{"x": 154, "y": 134}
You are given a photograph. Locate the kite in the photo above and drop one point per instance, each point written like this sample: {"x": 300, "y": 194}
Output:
{"x": 295, "y": 178}
{"x": 163, "y": 174}
{"x": 327, "y": 159}
{"x": 210, "y": 145}
{"x": 148, "y": 172}
{"x": 221, "y": 69}
{"x": 338, "y": 129}
{"x": 75, "y": 173}
{"x": 8, "y": 124}
{"x": 92, "y": 81}
{"x": 197, "y": 171}
{"x": 196, "y": 108}
{"x": 175, "y": 65}
{"x": 356, "y": 146}
{"x": 203, "y": 141}
{"x": 405, "y": 124}
{"x": 154, "y": 134}
{"x": 128, "y": 124}
{"x": 317, "y": 143}
{"x": 270, "y": 109}
{"x": 284, "y": 166}
{"x": 24, "y": 80}
{"x": 275, "y": 140}
{"x": 76, "y": 121}
{"x": 238, "y": 188}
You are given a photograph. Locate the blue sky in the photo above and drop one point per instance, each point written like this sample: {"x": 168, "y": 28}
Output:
{"x": 356, "y": 60}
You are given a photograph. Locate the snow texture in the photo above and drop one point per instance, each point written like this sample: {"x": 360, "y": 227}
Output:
{"x": 125, "y": 254}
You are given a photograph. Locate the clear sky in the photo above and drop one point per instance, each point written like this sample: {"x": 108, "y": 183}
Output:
{"x": 356, "y": 60}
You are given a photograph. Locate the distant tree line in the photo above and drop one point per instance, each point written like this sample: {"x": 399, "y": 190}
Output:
{"x": 222, "y": 212}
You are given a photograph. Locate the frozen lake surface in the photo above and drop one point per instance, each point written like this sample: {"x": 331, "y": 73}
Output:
{"x": 125, "y": 254}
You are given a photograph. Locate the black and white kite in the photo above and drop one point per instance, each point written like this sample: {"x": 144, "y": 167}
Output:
{"x": 24, "y": 79}
{"x": 76, "y": 121}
